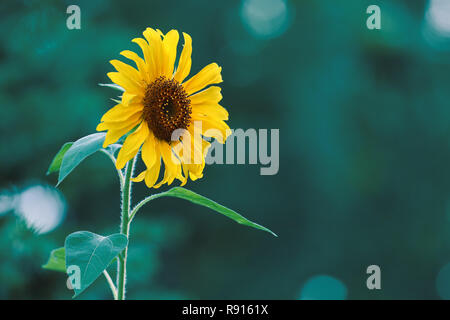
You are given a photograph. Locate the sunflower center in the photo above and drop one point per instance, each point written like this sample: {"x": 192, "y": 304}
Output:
{"x": 166, "y": 108}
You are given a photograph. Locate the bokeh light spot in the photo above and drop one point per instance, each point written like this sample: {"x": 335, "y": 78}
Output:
{"x": 438, "y": 16}
{"x": 42, "y": 207}
{"x": 323, "y": 287}
{"x": 265, "y": 18}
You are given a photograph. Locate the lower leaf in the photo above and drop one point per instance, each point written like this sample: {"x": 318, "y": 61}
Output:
{"x": 88, "y": 254}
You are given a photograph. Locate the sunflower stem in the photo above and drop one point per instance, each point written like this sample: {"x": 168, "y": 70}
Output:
{"x": 125, "y": 229}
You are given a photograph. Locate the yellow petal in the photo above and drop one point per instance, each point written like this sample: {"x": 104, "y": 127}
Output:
{"x": 177, "y": 151}
{"x": 131, "y": 145}
{"x": 127, "y": 71}
{"x": 125, "y": 83}
{"x": 115, "y": 134}
{"x": 121, "y": 112}
{"x": 129, "y": 98}
{"x": 115, "y": 125}
{"x": 221, "y": 130}
{"x": 140, "y": 63}
{"x": 170, "y": 44}
{"x": 186, "y": 174}
{"x": 152, "y": 175}
{"x": 193, "y": 172}
{"x": 148, "y": 151}
{"x": 156, "y": 52}
{"x": 190, "y": 169}
{"x": 208, "y": 75}
{"x": 206, "y": 102}
{"x": 144, "y": 48}
{"x": 140, "y": 177}
{"x": 153, "y": 172}
{"x": 195, "y": 176}
{"x": 194, "y": 149}
{"x": 172, "y": 164}
{"x": 167, "y": 175}
{"x": 213, "y": 111}
{"x": 211, "y": 95}
{"x": 185, "y": 62}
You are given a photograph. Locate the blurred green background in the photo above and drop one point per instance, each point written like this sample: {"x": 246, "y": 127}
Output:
{"x": 364, "y": 149}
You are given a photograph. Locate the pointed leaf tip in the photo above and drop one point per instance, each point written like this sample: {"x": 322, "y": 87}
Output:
{"x": 78, "y": 151}
{"x": 56, "y": 162}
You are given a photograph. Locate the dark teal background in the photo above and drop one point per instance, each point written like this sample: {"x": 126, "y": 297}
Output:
{"x": 364, "y": 150}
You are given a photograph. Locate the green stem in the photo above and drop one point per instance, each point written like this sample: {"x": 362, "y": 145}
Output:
{"x": 143, "y": 202}
{"x": 111, "y": 284}
{"x": 124, "y": 229}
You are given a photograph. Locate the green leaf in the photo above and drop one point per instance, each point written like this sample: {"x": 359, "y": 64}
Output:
{"x": 57, "y": 260}
{"x": 56, "y": 163}
{"x": 182, "y": 193}
{"x": 80, "y": 149}
{"x": 89, "y": 254}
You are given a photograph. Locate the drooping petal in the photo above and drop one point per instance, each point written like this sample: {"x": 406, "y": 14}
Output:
{"x": 148, "y": 150}
{"x": 192, "y": 157}
{"x": 139, "y": 177}
{"x": 176, "y": 149}
{"x": 153, "y": 172}
{"x": 169, "y": 159}
{"x": 172, "y": 165}
{"x": 208, "y": 75}
{"x": 185, "y": 62}
{"x": 152, "y": 175}
{"x": 192, "y": 142}
{"x": 169, "y": 176}
{"x": 192, "y": 171}
{"x": 131, "y": 145}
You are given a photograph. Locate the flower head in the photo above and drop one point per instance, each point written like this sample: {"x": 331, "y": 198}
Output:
{"x": 170, "y": 116}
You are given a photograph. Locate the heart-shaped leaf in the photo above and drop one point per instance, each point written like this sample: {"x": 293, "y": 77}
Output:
{"x": 56, "y": 163}
{"x": 80, "y": 149}
{"x": 57, "y": 260}
{"x": 179, "y": 192}
{"x": 88, "y": 254}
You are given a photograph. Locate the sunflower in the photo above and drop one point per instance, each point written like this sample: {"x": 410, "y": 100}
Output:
{"x": 156, "y": 101}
